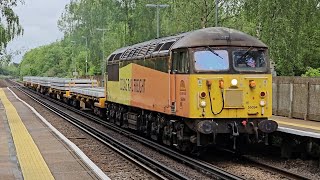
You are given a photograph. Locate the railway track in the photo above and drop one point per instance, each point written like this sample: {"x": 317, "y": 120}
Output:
{"x": 197, "y": 164}
{"x": 104, "y": 138}
{"x": 157, "y": 169}
{"x": 267, "y": 167}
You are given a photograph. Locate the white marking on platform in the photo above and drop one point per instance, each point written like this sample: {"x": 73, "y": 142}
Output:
{"x": 299, "y": 132}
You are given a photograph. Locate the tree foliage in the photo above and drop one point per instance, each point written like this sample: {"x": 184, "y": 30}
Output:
{"x": 290, "y": 28}
{"x": 6, "y": 67}
{"x": 11, "y": 70}
{"x": 312, "y": 72}
{"x": 9, "y": 28}
{"x": 9, "y": 24}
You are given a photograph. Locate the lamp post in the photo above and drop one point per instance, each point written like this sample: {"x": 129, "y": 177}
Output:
{"x": 217, "y": 2}
{"x": 86, "y": 54}
{"x": 103, "y": 30}
{"x": 103, "y": 60}
{"x": 75, "y": 66}
{"x": 158, "y": 6}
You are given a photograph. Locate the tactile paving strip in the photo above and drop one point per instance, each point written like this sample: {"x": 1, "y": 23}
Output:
{"x": 30, "y": 159}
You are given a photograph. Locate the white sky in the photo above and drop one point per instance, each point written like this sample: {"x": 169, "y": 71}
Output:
{"x": 39, "y": 19}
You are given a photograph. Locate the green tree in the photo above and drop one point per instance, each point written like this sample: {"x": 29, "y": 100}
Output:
{"x": 290, "y": 29}
{"x": 9, "y": 24}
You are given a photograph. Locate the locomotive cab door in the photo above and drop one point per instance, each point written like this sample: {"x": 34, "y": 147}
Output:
{"x": 179, "y": 81}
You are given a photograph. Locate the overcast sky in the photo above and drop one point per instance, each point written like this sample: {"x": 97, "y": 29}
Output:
{"x": 39, "y": 19}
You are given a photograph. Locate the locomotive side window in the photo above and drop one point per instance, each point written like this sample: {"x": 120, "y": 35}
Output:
{"x": 181, "y": 62}
{"x": 211, "y": 60}
{"x": 161, "y": 64}
{"x": 113, "y": 72}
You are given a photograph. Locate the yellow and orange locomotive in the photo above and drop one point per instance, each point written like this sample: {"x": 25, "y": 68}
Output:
{"x": 191, "y": 88}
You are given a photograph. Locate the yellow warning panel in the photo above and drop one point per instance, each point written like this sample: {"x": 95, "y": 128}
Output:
{"x": 30, "y": 159}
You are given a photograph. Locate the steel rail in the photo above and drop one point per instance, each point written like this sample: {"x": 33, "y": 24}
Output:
{"x": 204, "y": 167}
{"x": 113, "y": 143}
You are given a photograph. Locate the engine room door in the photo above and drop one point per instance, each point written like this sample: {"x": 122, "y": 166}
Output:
{"x": 179, "y": 81}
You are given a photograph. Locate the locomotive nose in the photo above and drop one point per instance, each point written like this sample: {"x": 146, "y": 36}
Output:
{"x": 268, "y": 126}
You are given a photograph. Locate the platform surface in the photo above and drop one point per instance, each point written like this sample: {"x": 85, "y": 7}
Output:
{"x": 298, "y": 126}
{"x": 29, "y": 150}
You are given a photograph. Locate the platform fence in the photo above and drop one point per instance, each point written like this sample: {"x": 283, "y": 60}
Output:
{"x": 296, "y": 97}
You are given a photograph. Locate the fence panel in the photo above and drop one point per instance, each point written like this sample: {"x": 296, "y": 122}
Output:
{"x": 296, "y": 97}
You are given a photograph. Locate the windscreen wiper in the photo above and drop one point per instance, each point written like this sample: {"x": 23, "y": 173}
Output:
{"x": 244, "y": 54}
{"x": 214, "y": 52}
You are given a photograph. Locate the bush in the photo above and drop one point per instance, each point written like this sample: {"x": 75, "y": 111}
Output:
{"x": 311, "y": 72}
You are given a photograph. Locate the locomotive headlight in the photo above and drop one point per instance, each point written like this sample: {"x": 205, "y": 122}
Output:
{"x": 262, "y": 103}
{"x": 203, "y": 104}
{"x": 234, "y": 82}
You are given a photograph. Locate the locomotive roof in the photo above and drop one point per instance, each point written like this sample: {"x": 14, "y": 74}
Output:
{"x": 217, "y": 36}
{"x": 213, "y": 36}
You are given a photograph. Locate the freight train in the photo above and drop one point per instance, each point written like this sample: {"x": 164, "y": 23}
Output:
{"x": 204, "y": 87}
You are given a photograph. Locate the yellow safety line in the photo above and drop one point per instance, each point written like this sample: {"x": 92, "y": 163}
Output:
{"x": 30, "y": 159}
{"x": 298, "y": 125}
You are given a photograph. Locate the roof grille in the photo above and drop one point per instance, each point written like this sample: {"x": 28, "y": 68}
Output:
{"x": 151, "y": 48}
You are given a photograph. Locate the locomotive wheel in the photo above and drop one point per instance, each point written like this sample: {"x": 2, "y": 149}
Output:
{"x": 75, "y": 103}
{"x": 112, "y": 113}
{"x": 157, "y": 129}
{"x": 98, "y": 111}
{"x": 119, "y": 116}
{"x": 108, "y": 116}
{"x": 66, "y": 100}
{"x": 167, "y": 135}
{"x": 180, "y": 138}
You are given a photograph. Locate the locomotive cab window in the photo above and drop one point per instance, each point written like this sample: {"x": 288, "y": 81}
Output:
{"x": 210, "y": 59}
{"x": 249, "y": 60}
{"x": 181, "y": 63}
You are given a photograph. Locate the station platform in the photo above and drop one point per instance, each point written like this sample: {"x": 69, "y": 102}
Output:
{"x": 29, "y": 149}
{"x": 298, "y": 126}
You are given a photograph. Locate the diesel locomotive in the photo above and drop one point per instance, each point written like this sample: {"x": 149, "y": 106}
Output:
{"x": 204, "y": 87}
{"x": 189, "y": 89}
